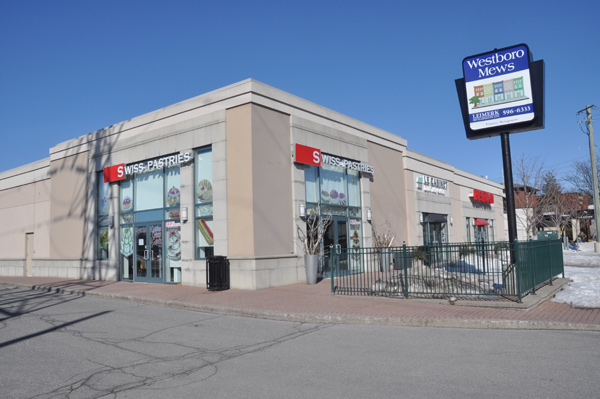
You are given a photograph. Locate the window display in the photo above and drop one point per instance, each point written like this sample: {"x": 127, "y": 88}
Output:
{"x": 203, "y": 198}
{"x": 103, "y": 215}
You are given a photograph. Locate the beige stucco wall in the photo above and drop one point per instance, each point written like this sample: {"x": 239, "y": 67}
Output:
{"x": 456, "y": 225}
{"x": 388, "y": 191}
{"x": 25, "y": 209}
{"x": 272, "y": 183}
{"x": 240, "y": 222}
{"x": 259, "y": 184}
{"x": 68, "y": 206}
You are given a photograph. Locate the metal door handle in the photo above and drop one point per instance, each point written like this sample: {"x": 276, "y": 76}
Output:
{"x": 146, "y": 254}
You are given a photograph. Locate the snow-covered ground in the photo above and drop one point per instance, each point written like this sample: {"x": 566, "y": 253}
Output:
{"x": 582, "y": 266}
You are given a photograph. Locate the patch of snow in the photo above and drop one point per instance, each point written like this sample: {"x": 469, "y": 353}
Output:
{"x": 584, "y": 289}
{"x": 581, "y": 254}
{"x": 581, "y": 247}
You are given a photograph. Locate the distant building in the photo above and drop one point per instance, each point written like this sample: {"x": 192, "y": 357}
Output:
{"x": 527, "y": 198}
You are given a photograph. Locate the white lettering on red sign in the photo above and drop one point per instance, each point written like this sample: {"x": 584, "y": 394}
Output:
{"x": 118, "y": 172}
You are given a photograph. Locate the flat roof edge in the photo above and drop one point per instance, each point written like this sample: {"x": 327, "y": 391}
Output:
{"x": 25, "y": 174}
{"x": 234, "y": 90}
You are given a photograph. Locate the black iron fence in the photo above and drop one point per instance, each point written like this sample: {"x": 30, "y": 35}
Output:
{"x": 485, "y": 269}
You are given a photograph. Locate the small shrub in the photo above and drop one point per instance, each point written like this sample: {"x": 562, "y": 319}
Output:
{"x": 422, "y": 254}
{"x": 501, "y": 246}
{"x": 466, "y": 250}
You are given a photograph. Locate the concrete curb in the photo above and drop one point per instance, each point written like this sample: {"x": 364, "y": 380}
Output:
{"x": 529, "y": 302}
{"x": 323, "y": 318}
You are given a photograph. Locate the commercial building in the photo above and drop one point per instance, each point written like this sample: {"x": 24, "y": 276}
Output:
{"x": 229, "y": 173}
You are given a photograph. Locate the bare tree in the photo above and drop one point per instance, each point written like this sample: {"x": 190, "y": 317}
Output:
{"x": 529, "y": 172}
{"x": 557, "y": 207}
{"x": 383, "y": 236}
{"x": 581, "y": 177}
{"x": 316, "y": 227}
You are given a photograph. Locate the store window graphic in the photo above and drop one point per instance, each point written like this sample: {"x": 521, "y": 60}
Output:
{"x": 102, "y": 224}
{"x": 205, "y": 238}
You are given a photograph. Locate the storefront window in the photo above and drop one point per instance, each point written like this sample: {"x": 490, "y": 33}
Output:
{"x": 353, "y": 188}
{"x": 435, "y": 229}
{"x": 481, "y": 230}
{"x": 126, "y": 252}
{"x": 468, "y": 229}
{"x": 204, "y": 203}
{"x": 333, "y": 185}
{"x": 149, "y": 225}
{"x": 126, "y": 197}
{"x": 149, "y": 190}
{"x": 173, "y": 259}
{"x": 355, "y": 244}
{"x": 172, "y": 193}
{"x": 481, "y": 233}
{"x": 172, "y": 197}
{"x": 311, "y": 181}
{"x": 102, "y": 222}
{"x": 337, "y": 190}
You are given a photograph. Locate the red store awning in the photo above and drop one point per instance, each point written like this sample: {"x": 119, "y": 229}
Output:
{"x": 481, "y": 222}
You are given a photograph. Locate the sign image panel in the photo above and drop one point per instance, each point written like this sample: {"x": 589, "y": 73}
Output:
{"x": 498, "y": 88}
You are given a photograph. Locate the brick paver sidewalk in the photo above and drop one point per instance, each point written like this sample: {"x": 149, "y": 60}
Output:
{"x": 314, "y": 303}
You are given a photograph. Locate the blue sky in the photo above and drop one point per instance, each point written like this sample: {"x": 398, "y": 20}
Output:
{"x": 71, "y": 67}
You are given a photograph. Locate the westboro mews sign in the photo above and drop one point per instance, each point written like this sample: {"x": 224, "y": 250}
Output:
{"x": 499, "y": 92}
{"x": 498, "y": 87}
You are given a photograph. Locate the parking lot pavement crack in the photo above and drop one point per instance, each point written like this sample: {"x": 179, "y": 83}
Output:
{"x": 152, "y": 372}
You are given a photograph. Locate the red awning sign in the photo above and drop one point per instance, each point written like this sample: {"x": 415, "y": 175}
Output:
{"x": 481, "y": 222}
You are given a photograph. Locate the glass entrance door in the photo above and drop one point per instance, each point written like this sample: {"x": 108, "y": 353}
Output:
{"x": 336, "y": 238}
{"x": 435, "y": 233}
{"x": 148, "y": 253}
{"x": 481, "y": 233}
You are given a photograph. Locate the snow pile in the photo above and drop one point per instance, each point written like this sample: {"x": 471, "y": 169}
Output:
{"x": 584, "y": 290}
{"x": 582, "y": 266}
{"x": 582, "y": 255}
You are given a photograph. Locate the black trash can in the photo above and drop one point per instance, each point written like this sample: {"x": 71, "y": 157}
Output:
{"x": 217, "y": 273}
{"x": 399, "y": 260}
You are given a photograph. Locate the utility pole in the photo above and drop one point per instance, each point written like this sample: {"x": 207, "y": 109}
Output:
{"x": 588, "y": 109}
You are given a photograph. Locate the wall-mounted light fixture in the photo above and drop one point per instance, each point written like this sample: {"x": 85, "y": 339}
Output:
{"x": 369, "y": 215}
{"x": 302, "y": 210}
{"x": 451, "y": 221}
{"x": 184, "y": 214}
{"x": 420, "y": 217}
